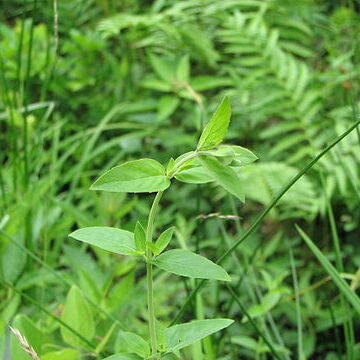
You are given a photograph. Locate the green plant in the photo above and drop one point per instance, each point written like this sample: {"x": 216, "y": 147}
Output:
{"x": 211, "y": 161}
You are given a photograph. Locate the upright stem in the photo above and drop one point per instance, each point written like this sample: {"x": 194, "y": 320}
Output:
{"x": 149, "y": 275}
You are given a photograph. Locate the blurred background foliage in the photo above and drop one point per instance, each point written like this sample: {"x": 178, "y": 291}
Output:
{"x": 86, "y": 84}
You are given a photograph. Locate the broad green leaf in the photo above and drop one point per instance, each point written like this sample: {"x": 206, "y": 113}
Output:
{"x": 163, "y": 68}
{"x": 224, "y": 175}
{"x": 163, "y": 241}
{"x": 140, "y": 237}
{"x": 77, "y": 314}
{"x": 123, "y": 357}
{"x": 111, "y": 239}
{"x": 144, "y": 175}
{"x": 187, "y": 263}
{"x": 345, "y": 289}
{"x": 180, "y": 336}
{"x": 216, "y": 129}
{"x": 64, "y": 354}
{"x": 170, "y": 165}
{"x": 129, "y": 342}
{"x": 196, "y": 175}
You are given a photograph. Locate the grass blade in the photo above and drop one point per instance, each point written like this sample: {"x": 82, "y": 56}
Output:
{"x": 345, "y": 289}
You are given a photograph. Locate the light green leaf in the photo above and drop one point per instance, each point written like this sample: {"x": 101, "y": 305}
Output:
{"x": 183, "y": 69}
{"x": 163, "y": 241}
{"x": 187, "y": 263}
{"x": 33, "y": 334}
{"x": 107, "y": 238}
{"x": 68, "y": 354}
{"x": 140, "y": 237}
{"x": 236, "y": 155}
{"x": 196, "y": 175}
{"x": 144, "y": 175}
{"x": 224, "y": 175}
{"x": 129, "y": 342}
{"x": 180, "y": 336}
{"x": 77, "y": 315}
{"x": 344, "y": 288}
{"x": 167, "y": 106}
{"x": 216, "y": 129}
{"x": 123, "y": 357}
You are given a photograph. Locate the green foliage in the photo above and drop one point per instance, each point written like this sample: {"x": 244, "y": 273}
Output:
{"x": 88, "y": 85}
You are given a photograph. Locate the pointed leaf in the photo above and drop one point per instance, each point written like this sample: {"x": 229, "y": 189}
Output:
{"x": 144, "y": 175}
{"x": 224, "y": 175}
{"x": 111, "y": 239}
{"x": 77, "y": 314}
{"x": 163, "y": 241}
{"x": 140, "y": 237}
{"x": 187, "y": 263}
{"x": 180, "y": 336}
{"x": 129, "y": 342}
{"x": 216, "y": 129}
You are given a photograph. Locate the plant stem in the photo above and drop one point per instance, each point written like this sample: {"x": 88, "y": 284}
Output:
{"x": 149, "y": 275}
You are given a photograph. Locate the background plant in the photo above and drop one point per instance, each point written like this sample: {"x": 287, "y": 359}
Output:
{"x": 142, "y": 78}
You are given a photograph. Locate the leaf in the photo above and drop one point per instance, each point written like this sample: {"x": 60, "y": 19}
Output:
{"x": 187, "y": 263}
{"x": 144, "y": 175}
{"x": 167, "y": 106}
{"x": 180, "y": 336}
{"x": 111, "y": 239}
{"x": 163, "y": 241}
{"x": 33, "y": 334}
{"x": 132, "y": 343}
{"x": 123, "y": 357}
{"x": 224, "y": 175}
{"x": 237, "y": 155}
{"x": 344, "y": 288}
{"x": 183, "y": 69}
{"x": 140, "y": 237}
{"x": 196, "y": 175}
{"x": 77, "y": 315}
{"x": 215, "y": 130}
{"x": 68, "y": 354}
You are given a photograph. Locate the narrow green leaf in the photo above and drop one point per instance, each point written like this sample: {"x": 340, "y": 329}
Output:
{"x": 180, "y": 336}
{"x": 224, "y": 175}
{"x": 187, "y": 263}
{"x": 183, "y": 69}
{"x": 144, "y": 175}
{"x": 163, "y": 241}
{"x": 129, "y": 342}
{"x": 140, "y": 237}
{"x": 111, "y": 239}
{"x": 216, "y": 129}
{"x": 77, "y": 314}
{"x": 345, "y": 289}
